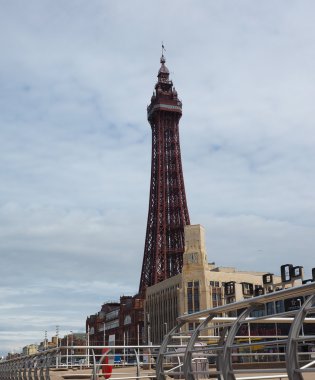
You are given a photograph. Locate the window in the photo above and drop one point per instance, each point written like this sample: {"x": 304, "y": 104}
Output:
{"x": 248, "y": 289}
{"x": 216, "y": 297}
{"x": 230, "y": 300}
{"x": 229, "y": 288}
{"x": 190, "y": 300}
{"x": 267, "y": 278}
{"x": 270, "y": 308}
{"x": 215, "y": 284}
{"x": 196, "y": 298}
{"x": 127, "y": 320}
{"x": 259, "y": 290}
{"x": 257, "y": 313}
{"x": 112, "y": 325}
{"x": 112, "y": 315}
{"x": 193, "y": 300}
{"x": 279, "y": 306}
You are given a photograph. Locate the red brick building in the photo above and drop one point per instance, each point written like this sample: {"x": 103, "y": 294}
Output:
{"x": 118, "y": 323}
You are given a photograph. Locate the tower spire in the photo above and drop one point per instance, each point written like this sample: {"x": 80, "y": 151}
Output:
{"x": 163, "y": 49}
{"x": 168, "y": 211}
{"x": 163, "y": 74}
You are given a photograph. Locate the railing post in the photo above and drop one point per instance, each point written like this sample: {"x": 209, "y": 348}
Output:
{"x": 19, "y": 371}
{"x": 41, "y": 367}
{"x": 94, "y": 374}
{"x": 187, "y": 365}
{"x": 29, "y": 368}
{"x": 24, "y": 361}
{"x": 159, "y": 363}
{"x": 35, "y": 364}
{"x": 138, "y": 362}
{"x": 220, "y": 359}
{"x": 292, "y": 360}
{"x": 227, "y": 369}
{"x": 49, "y": 357}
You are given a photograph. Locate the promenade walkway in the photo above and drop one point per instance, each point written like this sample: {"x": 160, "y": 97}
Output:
{"x": 131, "y": 371}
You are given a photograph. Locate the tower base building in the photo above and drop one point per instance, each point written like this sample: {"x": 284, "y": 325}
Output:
{"x": 200, "y": 285}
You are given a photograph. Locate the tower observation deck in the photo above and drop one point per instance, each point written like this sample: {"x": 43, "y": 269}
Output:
{"x": 168, "y": 212}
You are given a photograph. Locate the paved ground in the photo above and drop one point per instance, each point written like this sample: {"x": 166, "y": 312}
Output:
{"x": 119, "y": 373}
{"x": 76, "y": 374}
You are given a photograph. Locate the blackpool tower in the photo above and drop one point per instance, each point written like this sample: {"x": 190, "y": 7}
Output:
{"x": 168, "y": 212}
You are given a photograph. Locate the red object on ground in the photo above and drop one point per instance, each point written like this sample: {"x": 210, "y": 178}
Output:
{"x": 106, "y": 369}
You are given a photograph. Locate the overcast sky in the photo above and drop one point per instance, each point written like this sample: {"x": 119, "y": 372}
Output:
{"x": 76, "y": 77}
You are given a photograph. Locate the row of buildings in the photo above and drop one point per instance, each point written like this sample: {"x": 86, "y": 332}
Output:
{"x": 200, "y": 285}
{"x": 133, "y": 320}
{"x": 72, "y": 339}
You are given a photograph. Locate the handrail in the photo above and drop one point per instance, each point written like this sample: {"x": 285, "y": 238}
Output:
{"x": 38, "y": 366}
{"x": 297, "y": 291}
{"x": 226, "y": 348}
{"x": 196, "y": 354}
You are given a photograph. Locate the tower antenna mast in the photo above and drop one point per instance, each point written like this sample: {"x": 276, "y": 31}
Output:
{"x": 163, "y": 48}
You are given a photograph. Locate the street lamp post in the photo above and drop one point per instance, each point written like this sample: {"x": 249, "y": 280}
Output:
{"x": 249, "y": 341}
{"x": 67, "y": 352}
{"x": 127, "y": 343}
{"x": 45, "y": 340}
{"x": 165, "y": 324}
{"x": 57, "y": 344}
{"x": 124, "y": 348}
{"x": 104, "y": 334}
{"x": 300, "y": 305}
{"x": 71, "y": 352}
{"x": 149, "y": 340}
{"x": 148, "y": 332}
{"x": 88, "y": 347}
{"x": 181, "y": 338}
{"x": 138, "y": 336}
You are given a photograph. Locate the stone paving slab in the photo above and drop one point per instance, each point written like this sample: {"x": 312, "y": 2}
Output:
{"x": 118, "y": 373}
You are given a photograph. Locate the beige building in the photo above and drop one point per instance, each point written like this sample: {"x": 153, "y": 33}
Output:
{"x": 30, "y": 349}
{"x": 201, "y": 285}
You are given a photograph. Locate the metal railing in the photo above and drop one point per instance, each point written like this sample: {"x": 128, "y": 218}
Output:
{"x": 69, "y": 362}
{"x": 248, "y": 345}
{"x": 237, "y": 341}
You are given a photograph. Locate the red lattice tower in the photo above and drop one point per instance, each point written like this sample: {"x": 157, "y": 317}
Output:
{"x": 168, "y": 212}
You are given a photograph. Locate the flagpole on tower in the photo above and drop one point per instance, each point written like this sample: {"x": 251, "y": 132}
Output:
{"x": 163, "y": 49}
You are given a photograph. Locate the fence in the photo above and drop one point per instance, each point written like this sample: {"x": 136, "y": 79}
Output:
{"x": 238, "y": 341}
{"x": 279, "y": 345}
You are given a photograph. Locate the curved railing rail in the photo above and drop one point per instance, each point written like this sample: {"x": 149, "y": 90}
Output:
{"x": 238, "y": 341}
{"x": 32, "y": 367}
{"x": 136, "y": 363}
{"x": 250, "y": 344}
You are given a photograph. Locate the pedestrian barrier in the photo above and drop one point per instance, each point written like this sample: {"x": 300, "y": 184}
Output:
{"x": 240, "y": 340}
{"x": 237, "y": 341}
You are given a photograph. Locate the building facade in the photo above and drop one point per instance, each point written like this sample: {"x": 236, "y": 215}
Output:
{"x": 201, "y": 285}
{"x": 103, "y": 323}
{"x": 72, "y": 356}
{"x": 117, "y": 323}
{"x": 30, "y": 349}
